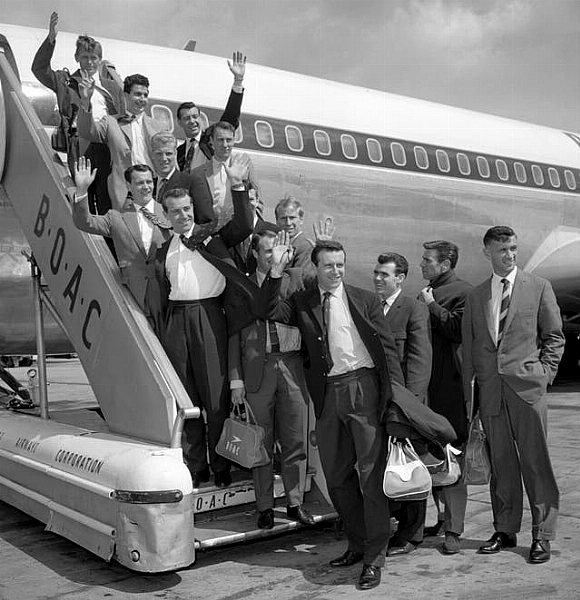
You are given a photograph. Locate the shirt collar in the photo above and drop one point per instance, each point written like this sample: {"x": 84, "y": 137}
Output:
{"x": 337, "y": 293}
{"x": 187, "y": 234}
{"x": 150, "y": 206}
{"x": 166, "y": 177}
{"x": 391, "y": 299}
{"x": 511, "y": 277}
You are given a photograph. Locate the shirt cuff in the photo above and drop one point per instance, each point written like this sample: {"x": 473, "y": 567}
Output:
{"x": 240, "y": 187}
{"x": 236, "y": 384}
{"x": 238, "y": 87}
{"x": 81, "y": 197}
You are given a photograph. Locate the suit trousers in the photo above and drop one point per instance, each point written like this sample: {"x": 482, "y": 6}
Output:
{"x": 411, "y": 516}
{"x": 280, "y": 407}
{"x": 454, "y": 499}
{"x": 195, "y": 340}
{"x": 353, "y": 449}
{"x": 518, "y": 446}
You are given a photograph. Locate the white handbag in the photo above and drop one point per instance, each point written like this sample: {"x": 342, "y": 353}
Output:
{"x": 406, "y": 476}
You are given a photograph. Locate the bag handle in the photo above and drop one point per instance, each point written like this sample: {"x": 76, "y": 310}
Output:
{"x": 237, "y": 412}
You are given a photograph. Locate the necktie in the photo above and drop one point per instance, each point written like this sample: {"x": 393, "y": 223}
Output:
{"x": 161, "y": 185}
{"x": 274, "y": 339}
{"x": 326, "y": 325}
{"x": 385, "y": 306}
{"x": 189, "y": 242}
{"x": 503, "y": 311}
{"x": 189, "y": 157}
{"x": 126, "y": 118}
{"x": 161, "y": 223}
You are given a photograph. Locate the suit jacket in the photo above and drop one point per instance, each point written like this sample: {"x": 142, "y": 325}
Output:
{"x": 301, "y": 267}
{"x": 531, "y": 347}
{"x": 231, "y": 115}
{"x": 198, "y": 191}
{"x": 409, "y": 322}
{"x": 116, "y": 134}
{"x": 303, "y": 310}
{"x": 136, "y": 265}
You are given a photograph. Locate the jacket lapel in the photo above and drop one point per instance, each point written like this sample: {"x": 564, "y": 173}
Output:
{"x": 131, "y": 221}
{"x": 487, "y": 305}
{"x": 515, "y": 298}
{"x": 313, "y": 302}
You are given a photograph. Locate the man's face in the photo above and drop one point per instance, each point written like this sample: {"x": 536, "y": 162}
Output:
{"x": 263, "y": 254}
{"x": 88, "y": 61}
{"x": 223, "y": 142}
{"x": 289, "y": 219}
{"x": 386, "y": 281}
{"x": 189, "y": 119}
{"x": 137, "y": 99}
{"x": 141, "y": 187}
{"x": 163, "y": 158}
{"x": 330, "y": 269}
{"x": 502, "y": 255}
{"x": 179, "y": 212}
{"x": 431, "y": 268}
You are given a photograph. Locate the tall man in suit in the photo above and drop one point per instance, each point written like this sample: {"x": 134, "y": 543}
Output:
{"x": 127, "y": 136}
{"x": 192, "y": 276}
{"x": 513, "y": 343}
{"x": 195, "y": 151}
{"x": 409, "y": 322}
{"x": 350, "y": 359}
{"x": 137, "y": 233}
{"x": 445, "y": 299}
{"x": 271, "y": 369}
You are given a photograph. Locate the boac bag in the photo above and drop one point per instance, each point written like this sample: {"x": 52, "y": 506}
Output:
{"x": 406, "y": 476}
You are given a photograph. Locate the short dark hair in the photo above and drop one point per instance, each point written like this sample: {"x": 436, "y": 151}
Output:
{"x": 184, "y": 106}
{"x": 85, "y": 43}
{"x": 326, "y": 246}
{"x": 162, "y": 138}
{"x": 400, "y": 262}
{"x": 289, "y": 201}
{"x": 499, "y": 233}
{"x": 223, "y": 125}
{"x": 174, "y": 193}
{"x": 136, "y": 168}
{"x": 445, "y": 251}
{"x": 132, "y": 80}
{"x": 264, "y": 232}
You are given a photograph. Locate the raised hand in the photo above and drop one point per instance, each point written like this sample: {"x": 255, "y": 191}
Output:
{"x": 238, "y": 168}
{"x": 426, "y": 295}
{"x": 238, "y": 66}
{"x": 53, "y": 27}
{"x": 83, "y": 175}
{"x": 282, "y": 253}
{"x": 86, "y": 87}
{"x": 324, "y": 229}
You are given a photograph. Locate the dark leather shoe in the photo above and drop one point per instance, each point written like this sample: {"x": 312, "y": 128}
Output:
{"x": 434, "y": 530}
{"x": 199, "y": 477}
{"x": 222, "y": 479}
{"x": 498, "y": 541}
{"x": 406, "y": 548}
{"x": 539, "y": 552}
{"x": 266, "y": 519}
{"x": 369, "y": 578}
{"x": 451, "y": 545}
{"x": 300, "y": 514}
{"x": 348, "y": 559}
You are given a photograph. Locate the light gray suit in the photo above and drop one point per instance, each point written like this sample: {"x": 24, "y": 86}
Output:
{"x": 512, "y": 379}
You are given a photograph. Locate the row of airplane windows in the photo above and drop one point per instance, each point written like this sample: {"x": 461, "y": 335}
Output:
{"x": 322, "y": 143}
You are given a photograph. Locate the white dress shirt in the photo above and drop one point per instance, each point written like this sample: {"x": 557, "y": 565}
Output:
{"x": 388, "y": 302}
{"x": 139, "y": 151}
{"x": 347, "y": 349}
{"x": 98, "y": 103}
{"x": 145, "y": 225}
{"x": 496, "y": 293}
{"x": 191, "y": 276}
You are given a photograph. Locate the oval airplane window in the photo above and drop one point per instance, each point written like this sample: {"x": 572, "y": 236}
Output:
{"x": 502, "y": 169}
{"x": 322, "y": 142}
{"x": 520, "y": 172}
{"x": 421, "y": 158}
{"x": 398, "y": 154}
{"x": 570, "y": 181}
{"x": 374, "y": 150}
{"x": 264, "y": 134}
{"x": 204, "y": 121}
{"x": 443, "y": 161}
{"x": 483, "y": 167}
{"x": 463, "y": 164}
{"x": 554, "y": 177}
{"x": 239, "y": 137}
{"x": 294, "y": 139}
{"x": 537, "y": 175}
{"x": 349, "y": 148}
{"x": 163, "y": 115}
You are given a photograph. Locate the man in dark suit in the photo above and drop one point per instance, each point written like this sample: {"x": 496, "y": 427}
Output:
{"x": 194, "y": 152}
{"x": 271, "y": 369}
{"x": 137, "y": 233}
{"x": 512, "y": 344}
{"x": 242, "y": 253}
{"x": 445, "y": 299}
{"x": 349, "y": 360}
{"x": 192, "y": 275}
{"x": 409, "y": 322}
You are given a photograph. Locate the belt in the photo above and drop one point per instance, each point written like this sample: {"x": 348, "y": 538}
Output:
{"x": 363, "y": 371}
{"x": 201, "y": 302}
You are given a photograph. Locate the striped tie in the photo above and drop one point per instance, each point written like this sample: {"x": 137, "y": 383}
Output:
{"x": 161, "y": 223}
{"x": 503, "y": 311}
{"x": 189, "y": 157}
{"x": 326, "y": 327}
